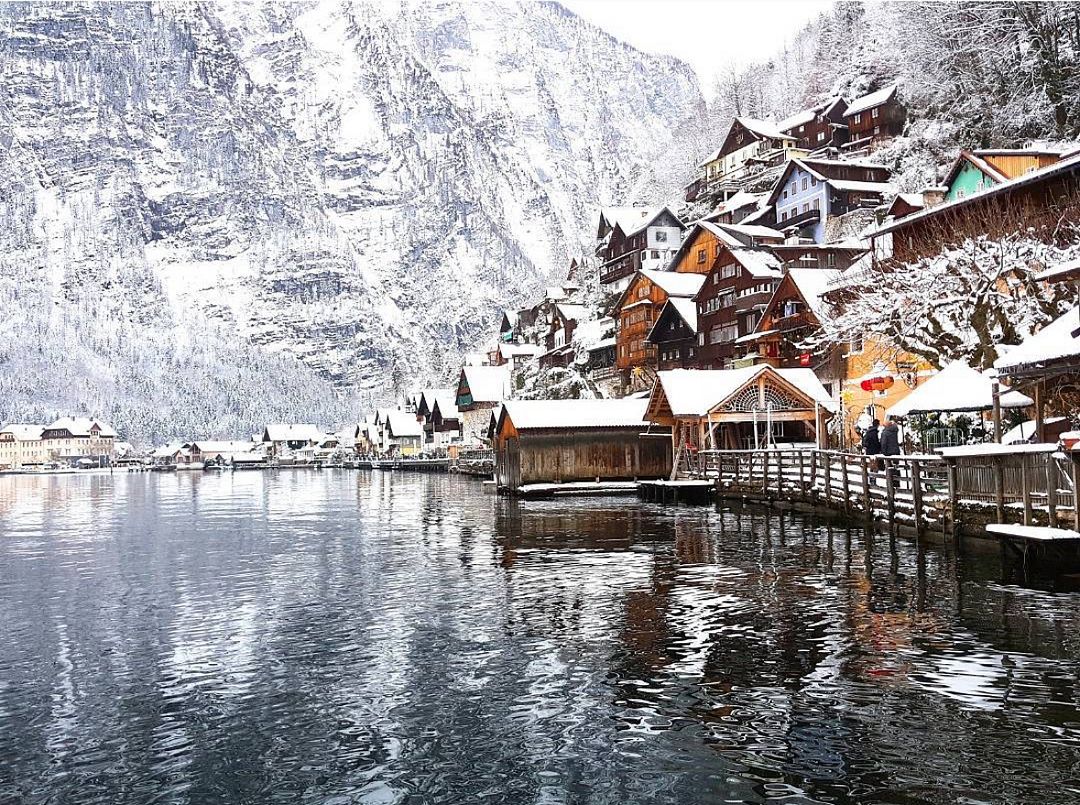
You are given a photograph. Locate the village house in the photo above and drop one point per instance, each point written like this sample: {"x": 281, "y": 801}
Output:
{"x": 875, "y": 118}
{"x": 78, "y": 440}
{"x": 639, "y": 239}
{"x": 749, "y": 147}
{"x": 926, "y": 232}
{"x": 21, "y": 446}
{"x": 403, "y": 434}
{"x": 281, "y": 439}
{"x": 566, "y": 441}
{"x": 975, "y": 171}
{"x": 223, "y": 451}
{"x": 730, "y": 301}
{"x": 638, "y": 308}
{"x": 516, "y": 356}
{"x": 795, "y": 313}
{"x": 840, "y": 256}
{"x": 811, "y": 191}
{"x": 433, "y": 399}
{"x": 742, "y": 208}
{"x": 820, "y": 126}
{"x": 738, "y": 409}
{"x": 675, "y": 334}
{"x": 479, "y": 390}
{"x": 558, "y": 342}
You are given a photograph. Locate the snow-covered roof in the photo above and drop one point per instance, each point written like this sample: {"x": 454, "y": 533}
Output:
{"x": 487, "y": 384}
{"x": 687, "y": 310}
{"x": 759, "y": 263}
{"x": 629, "y": 218}
{"x": 1061, "y": 272}
{"x": 446, "y": 402}
{"x": 292, "y": 433}
{"x": 402, "y": 423}
{"x": 168, "y": 450}
{"x": 695, "y": 392}
{"x": 957, "y": 387}
{"x": 812, "y": 284}
{"x": 225, "y": 446}
{"x": 871, "y": 100}
{"x": 853, "y": 186}
{"x": 590, "y": 332}
{"x": 763, "y": 128}
{"x": 675, "y": 284}
{"x": 1052, "y": 343}
{"x": 753, "y": 230}
{"x": 571, "y": 312}
{"x": 22, "y": 432}
{"x": 1022, "y": 433}
{"x": 797, "y": 119}
{"x": 509, "y": 351}
{"x": 80, "y": 426}
{"x": 571, "y": 414}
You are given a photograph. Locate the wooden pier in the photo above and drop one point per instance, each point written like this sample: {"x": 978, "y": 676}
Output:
{"x": 405, "y": 464}
{"x": 678, "y": 491}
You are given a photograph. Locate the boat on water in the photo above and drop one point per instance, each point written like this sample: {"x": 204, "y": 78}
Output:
{"x": 191, "y": 465}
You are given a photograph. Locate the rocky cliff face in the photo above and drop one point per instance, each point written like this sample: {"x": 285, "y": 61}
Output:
{"x": 266, "y": 207}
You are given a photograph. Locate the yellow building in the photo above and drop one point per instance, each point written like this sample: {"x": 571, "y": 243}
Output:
{"x": 871, "y": 358}
{"x": 21, "y": 446}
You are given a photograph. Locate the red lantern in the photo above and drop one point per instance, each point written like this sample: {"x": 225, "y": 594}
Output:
{"x": 804, "y": 359}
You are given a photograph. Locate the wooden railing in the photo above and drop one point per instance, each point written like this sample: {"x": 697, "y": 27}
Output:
{"x": 908, "y": 489}
{"x": 924, "y": 491}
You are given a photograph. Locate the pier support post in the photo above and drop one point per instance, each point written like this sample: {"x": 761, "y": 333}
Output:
{"x": 1051, "y": 487}
{"x": 916, "y": 496}
{"x": 1025, "y": 487}
{"x": 999, "y": 489}
{"x": 845, "y": 483}
{"x": 868, "y": 506}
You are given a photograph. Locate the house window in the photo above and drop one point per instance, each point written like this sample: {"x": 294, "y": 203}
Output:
{"x": 801, "y": 129}
{"x": 806, "y": 208}
{"x": 784, "y": 194}
{"x": 701, "y": 256}
{"x": 869, "y": 176}
{"x": 877, "y": 130}
{"x": 858, "y": 118}
{"x": 701, "y": 339}
{"x": 820, "y": 136}
{"x": 804, "y": 183}
{"x": 715, "y": 279}
{"x": 874, "y": 112}
{"x": 783, "y": 216}
{"x": 817, "y": 204}
{"x": 855, "y": 346}
{"x": 813, "y": 181}
{"x": 830, "y": 259}
{"x": 729, "y": 271}
{"x": 661, "y": 236}
{"x": 718, "y": 248}
{"x": 789, "y": 308}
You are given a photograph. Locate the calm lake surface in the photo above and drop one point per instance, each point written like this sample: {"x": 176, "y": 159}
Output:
{"x": 341, "y": 637}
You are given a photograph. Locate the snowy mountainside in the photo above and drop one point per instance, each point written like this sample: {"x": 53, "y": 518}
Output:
{"x": 282, "y": 205}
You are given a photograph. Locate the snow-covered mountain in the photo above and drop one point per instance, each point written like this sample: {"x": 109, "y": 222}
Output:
{"x": 216, "y": 214}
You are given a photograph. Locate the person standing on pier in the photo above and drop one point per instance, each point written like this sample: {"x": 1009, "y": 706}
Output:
{"x": 871, "y": 442}
{"x": 890, "y": 446}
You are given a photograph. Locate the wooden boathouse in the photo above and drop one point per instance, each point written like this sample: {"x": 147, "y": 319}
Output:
{"x": 593, "y": 444}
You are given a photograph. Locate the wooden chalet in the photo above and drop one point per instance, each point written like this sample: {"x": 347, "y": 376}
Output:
{"x": 737, "y": 409}
{"x": 643, "y": 238}
{"x": 566, "y": 441}
{"x": 479, "y": 390}
{"x": 558, "y": 342}
{"x": 810, "y": 192}
{"x": 675, "y": 334}
{"x": 796, "y": 312}
{"x": 749, "y": 147}
{"x": 445, "y": 418}
{"x": 815, "y": 255}
{"x": 429, "y": 402}
{"x": 730, "y": 301}
{"x": 975, "y": 171}
{"x": 821, "y": 126}
{"x": 637, "y": 311}
{"x": 874, "y": 118}
{"x": 1052, "y": 190}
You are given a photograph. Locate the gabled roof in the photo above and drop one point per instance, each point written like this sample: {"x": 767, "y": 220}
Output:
{"x": 446, "y": 403}
{"x": 968, "y": 158}
{"x": 812, "y": 284}
{"x": 696, "y": 392}
{"x": 292, "y": 433}
{"x": 913, "y": 200}
{"x": 870, "y": 101}
{"x": 400, "y": 424}
{"x": 427, "y": 397}
{"x": 574, "y": 414}
{"x": 808, "y": 115}
{"x": 23, "y": 433}
{"x": 758, "y": 262}
{"x": 486, "y": 384}
{"x": 680, "y": 306}
{"x": 810, "y": 166}
{"x": 760, "y": 129}
{"x": 224, "y": 446}
{"x": 626, "y": 218}
{"x": 570, "y": 312}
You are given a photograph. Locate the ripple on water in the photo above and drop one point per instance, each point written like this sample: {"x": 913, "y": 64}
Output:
{"x": 361, "y": 637}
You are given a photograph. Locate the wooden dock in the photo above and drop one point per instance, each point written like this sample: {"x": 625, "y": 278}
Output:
{"x": 405, "y": 464}
{"x": 684, "y": 491}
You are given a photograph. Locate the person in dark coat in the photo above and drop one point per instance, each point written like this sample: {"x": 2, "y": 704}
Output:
{"x": 871, "y": 442}
{"x": 890, "y": 446}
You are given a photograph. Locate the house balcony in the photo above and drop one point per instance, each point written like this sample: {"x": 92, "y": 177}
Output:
{"x": 796, "y": 321}
{"x": 801, "y": 219}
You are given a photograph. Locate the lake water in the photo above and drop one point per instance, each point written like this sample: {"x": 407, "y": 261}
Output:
{"x": 345, "y": 637}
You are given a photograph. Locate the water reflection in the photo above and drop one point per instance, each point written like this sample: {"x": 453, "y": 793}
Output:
{"x": 361, "y": 637}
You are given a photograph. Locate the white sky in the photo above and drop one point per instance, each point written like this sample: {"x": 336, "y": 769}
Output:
{"x": 707, "y": 34}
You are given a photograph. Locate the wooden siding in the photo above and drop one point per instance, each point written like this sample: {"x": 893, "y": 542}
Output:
{"x": 1013, "y": 165}
{"x": 608, "y": 454}
{"x": 644, "y": 300}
